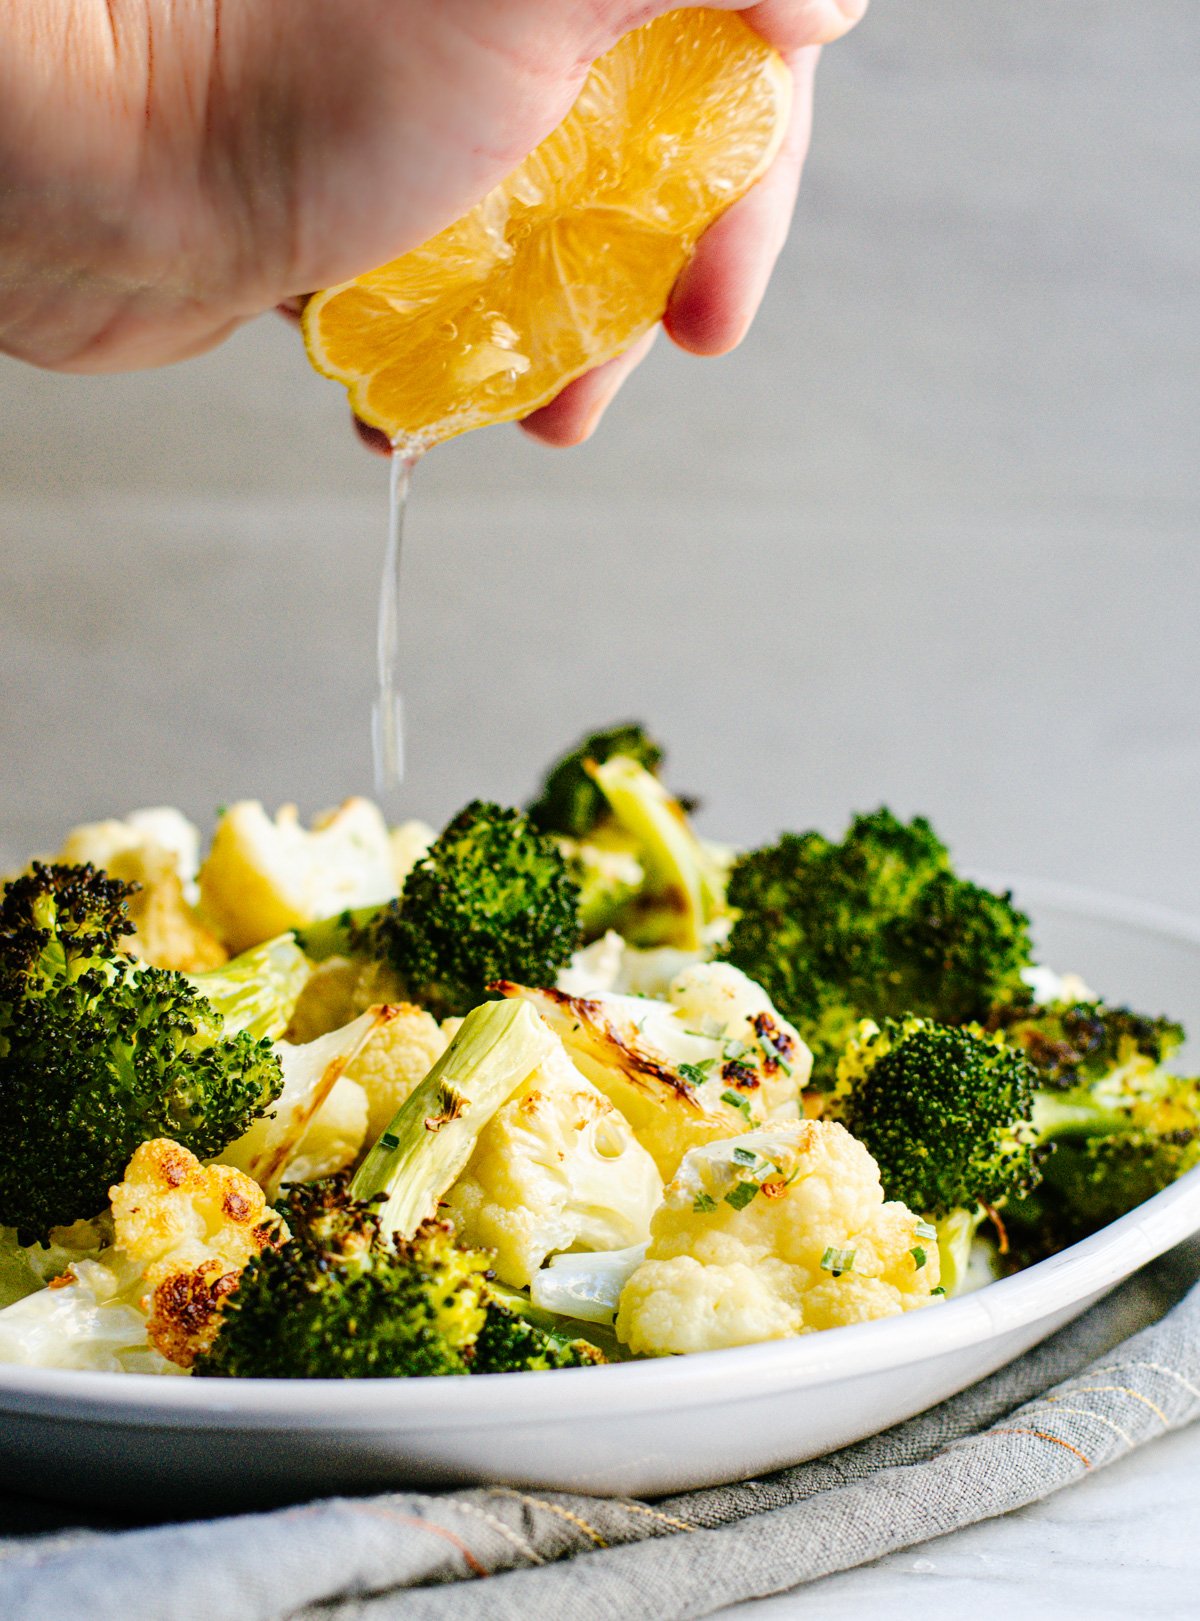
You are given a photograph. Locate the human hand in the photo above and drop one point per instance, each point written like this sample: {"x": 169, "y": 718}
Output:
{"x": 167, "y": 173}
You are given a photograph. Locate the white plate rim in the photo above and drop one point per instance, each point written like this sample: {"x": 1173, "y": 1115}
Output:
{"x": 1085, "y": 1270}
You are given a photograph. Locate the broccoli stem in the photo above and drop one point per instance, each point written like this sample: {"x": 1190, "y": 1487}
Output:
{"x": 1077, "y": 1114}
{"x": 955, "y": 1236}
{"x": 678, "y": 867}
{"x": 341, "y": 935}
{"x": 257, "y": 991}
{"x": 431, "y": 1138}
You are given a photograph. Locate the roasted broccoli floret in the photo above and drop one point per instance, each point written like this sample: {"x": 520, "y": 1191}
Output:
{"x": 1074, "y": 1043}
{"x": 569, "y": 801}
{"x": 945, "y": 1111}
{"x": 99, "y": 1054}
{"x": 874, "y": 927}
{"x": 340, "y": 1299}
{"x": 511, "y": 1341}
{"x": 491, "y": 899}
{"x": 1121, "y": 1126}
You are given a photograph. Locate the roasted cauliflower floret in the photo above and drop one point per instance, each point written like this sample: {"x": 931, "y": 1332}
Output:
{"x": 150, "y": 1300}
{"x": 705, "y": 1063}
{"x": 263, "y": 877}
{"x": 395, "y": 1060}
{"x": 556, "y": 1168}
{"x": 158, "y": 850}
{"x": 190, "y": 1228}
{"x": 778, "y": 1232}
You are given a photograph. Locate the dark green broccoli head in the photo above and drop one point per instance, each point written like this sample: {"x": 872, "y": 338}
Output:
{"x": 570, "y": 802}
{"x": 338, "y": 1300}
{"x": 876, "y": 926}
{"x": 492, "y": 899}
{"x": 99, "y": 1054}
{"x": 1076, "y": 1043}
{"x": 944, "y": 1111}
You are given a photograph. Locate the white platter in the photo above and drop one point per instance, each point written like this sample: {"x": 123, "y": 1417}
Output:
{"x": 639, "y": 1428}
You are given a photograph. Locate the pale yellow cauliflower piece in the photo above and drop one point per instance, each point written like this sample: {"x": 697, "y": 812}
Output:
{"x": 264, "y": 876}
{"x": 704, "y": 1063}
{"x": 396, "y": 1060}
{"x": 333, "y": 1137}
{"x": 556, "y": 1168}
{"x": 779, "y": 1232}
{"x": 158, "y": 851}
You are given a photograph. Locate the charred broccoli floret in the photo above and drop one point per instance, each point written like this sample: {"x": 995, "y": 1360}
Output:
{"x": 570, "y": 802}
{"x": 491, "y": 899}
{"x": 877, "y": 926}
{"x": 99, "y": 1054}
{"x": 1073, "y": 1043}
{"x": 1121, "y": 1126}
{"x": 341, "y": 1300}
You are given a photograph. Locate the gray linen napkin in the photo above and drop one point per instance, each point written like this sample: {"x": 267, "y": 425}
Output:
{"x": 1123, "y": 1374}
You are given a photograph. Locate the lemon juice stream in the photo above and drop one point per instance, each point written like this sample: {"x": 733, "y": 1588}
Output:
{"x": 387, "y": 721}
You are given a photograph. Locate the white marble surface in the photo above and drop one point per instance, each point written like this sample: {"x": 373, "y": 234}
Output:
{"x": 1121, "y": 1544}
{"x": 931, "y": 536}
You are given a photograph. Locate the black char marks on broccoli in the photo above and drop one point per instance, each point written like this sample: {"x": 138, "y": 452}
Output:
{"x": 877, "y": 926}
{"x": 944, "y": 1111}
{"x": 492, "y": 899}
{"x": 1076, "y": 1042}
{"x": 341, "y": 1300}
{"x": 99, "y": 1054}
{"x": 570, "y": 803}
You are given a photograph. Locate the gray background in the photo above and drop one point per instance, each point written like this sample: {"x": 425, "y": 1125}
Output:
{"x": 929, "y": 537}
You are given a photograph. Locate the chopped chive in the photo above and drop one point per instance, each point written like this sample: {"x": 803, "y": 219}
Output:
{"x": 741, "y": 1104}
{"x": 938, "y": 1291}
{"x": 925, "y": 1229}
{"x": 697, "y": 1074}
{"x": 837, "y": 1260}
{"x": 741, "y": 1196}
{"x": 745, "y": 1156}
{"x": 703, "y": 1204}
{"x": 919, "y": 1257}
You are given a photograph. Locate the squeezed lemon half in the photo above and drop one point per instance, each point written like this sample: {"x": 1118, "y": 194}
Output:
{"x": 571, "y": 258}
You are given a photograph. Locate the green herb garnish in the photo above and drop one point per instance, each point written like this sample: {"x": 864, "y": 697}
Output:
{"x": 741, "y": 1104}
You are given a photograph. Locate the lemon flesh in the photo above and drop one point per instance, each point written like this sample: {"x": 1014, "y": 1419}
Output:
{"x": 572, "y": 257}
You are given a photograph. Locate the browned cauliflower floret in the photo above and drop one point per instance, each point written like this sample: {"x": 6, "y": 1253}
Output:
{"x": 707, "y": 1061}
{"x": 142, "y": 1288}
{"x": 781, "y": 1231}
{"x": 190, "y": 1229}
